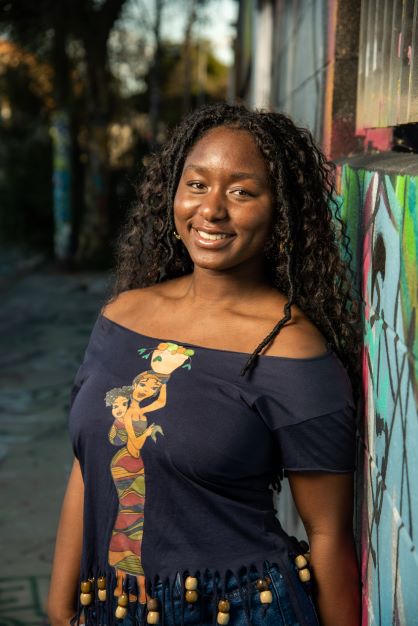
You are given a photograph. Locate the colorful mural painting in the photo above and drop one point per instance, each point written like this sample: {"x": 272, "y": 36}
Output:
{"x": 61, "y": 139}
{"x": 380, "y": 210}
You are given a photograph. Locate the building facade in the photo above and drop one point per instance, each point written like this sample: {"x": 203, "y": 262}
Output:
{"x": 348, "y": 70}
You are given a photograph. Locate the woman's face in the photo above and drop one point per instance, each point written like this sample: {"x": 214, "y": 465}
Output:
{"x": 120, "y": 406}
{"x": 145, "y": 388}
{"x": 223, "y": 208}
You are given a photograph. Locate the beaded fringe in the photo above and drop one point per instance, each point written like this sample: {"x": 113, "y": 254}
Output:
{"x": 100, "y": 612}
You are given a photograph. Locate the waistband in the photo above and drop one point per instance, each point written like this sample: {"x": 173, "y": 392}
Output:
{"x": 245, "y": 584}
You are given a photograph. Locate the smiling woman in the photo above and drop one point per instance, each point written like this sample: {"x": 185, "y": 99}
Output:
{"x": 223, "y": 208}
{"x": 233, "y": 323}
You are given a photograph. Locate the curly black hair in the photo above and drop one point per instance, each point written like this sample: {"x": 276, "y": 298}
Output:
{"x": 305, "y": 258}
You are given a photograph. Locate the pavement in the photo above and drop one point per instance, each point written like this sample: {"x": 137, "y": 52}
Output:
{"x": 45, "y": 322}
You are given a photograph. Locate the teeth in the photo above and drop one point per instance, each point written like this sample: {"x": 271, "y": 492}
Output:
{"x": 211, "y": 236}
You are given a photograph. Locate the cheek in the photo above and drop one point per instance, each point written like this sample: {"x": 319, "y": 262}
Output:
{"x": 183, "y": 204}
{"x": 256, "y": 221}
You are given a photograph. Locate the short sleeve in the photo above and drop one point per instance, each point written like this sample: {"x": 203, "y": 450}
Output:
{"x": 326, "y": 443}
{"x": 308, "y": 405}
{"x": 79, "y": 381}
{"x": 76, "y": 386}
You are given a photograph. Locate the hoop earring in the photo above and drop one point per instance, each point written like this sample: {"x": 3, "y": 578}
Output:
{"x": 176, "y": 235}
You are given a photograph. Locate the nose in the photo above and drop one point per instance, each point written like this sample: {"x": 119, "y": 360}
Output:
{"x": 213, "y": 207}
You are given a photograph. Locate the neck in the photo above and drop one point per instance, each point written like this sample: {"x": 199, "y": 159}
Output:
{"x": 226, "y": 287}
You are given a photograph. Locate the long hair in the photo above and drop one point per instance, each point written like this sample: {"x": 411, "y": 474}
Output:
{"x": 304, "y": 257}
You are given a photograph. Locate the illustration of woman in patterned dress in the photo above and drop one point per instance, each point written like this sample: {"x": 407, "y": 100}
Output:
{"x": 130, "y": 429}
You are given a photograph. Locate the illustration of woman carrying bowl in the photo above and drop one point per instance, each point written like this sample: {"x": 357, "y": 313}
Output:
{"x": 130, "y": 429}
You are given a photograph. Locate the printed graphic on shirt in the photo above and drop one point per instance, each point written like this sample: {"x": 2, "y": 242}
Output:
{"x": 129, "y": 432}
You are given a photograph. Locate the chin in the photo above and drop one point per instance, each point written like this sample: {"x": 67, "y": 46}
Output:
{"x": 216, "y": 265}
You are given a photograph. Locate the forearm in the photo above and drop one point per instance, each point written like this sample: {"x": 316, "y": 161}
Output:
{"x": 61, "y": 604}
{"x": 336, "y": 579}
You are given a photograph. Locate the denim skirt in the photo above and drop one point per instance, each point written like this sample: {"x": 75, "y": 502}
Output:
{"x": 245, "y": 606}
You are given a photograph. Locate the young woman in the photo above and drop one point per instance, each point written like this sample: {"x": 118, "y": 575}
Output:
{"x": 233, "y": 306}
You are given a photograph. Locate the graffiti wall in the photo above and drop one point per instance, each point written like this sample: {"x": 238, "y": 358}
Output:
{"x": 380, "y": 209}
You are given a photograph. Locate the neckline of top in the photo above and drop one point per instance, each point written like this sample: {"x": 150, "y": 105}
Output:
{"x": 319, "y": 357}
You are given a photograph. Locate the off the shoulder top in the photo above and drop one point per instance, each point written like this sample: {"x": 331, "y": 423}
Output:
{"x": 179, "y": 454}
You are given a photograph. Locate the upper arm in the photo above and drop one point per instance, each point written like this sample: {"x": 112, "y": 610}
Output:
{"x": 118, "y": 307}
{"x": 130, "y": 307}
{"x": 324, "y": 501}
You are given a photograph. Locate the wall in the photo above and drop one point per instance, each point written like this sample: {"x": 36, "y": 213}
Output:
{"x": 380, "y": 195}
{"x": 388, "y": 64}
{"x": 300, "y": 61}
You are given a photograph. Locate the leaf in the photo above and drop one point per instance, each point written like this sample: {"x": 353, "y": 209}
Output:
{"x": 142, "y": 350}
{"x": 157, "y": 358}
{"x": 187, "y": 366}
{"x": 146, "y": 356}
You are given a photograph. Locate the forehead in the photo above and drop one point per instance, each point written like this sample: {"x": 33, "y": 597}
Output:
{"x": 232, "y": 147}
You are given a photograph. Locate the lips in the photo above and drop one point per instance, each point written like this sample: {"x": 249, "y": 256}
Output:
{"x": 213, "y": 239}
{"x": 212, "y": 236}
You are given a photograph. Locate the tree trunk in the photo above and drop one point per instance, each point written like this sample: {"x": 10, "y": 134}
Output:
{"x": 187, "y": 57}
{"x": 154, "y": 108}
{"x": 93, "y": 244}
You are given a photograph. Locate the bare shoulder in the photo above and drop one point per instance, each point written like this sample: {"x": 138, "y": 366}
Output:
{"x": 130, "y": 306}
{"x": 299, "y": 338}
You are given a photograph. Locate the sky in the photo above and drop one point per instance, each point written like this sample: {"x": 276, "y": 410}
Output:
{"x": 218, "y": 25}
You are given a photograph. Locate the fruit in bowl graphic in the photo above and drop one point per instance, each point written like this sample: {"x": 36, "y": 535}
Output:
{"x": 167, "y": 357}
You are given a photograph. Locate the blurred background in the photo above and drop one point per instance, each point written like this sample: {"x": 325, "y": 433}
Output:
{"x": 88, "y": 89}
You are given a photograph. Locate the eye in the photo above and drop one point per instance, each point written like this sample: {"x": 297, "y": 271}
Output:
{"x": 195, "y": 184}
{"x": 242, "y": 193}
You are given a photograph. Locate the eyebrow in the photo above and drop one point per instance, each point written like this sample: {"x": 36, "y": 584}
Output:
{"x": 234, "y": 175}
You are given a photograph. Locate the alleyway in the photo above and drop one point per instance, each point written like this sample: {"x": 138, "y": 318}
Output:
{"x": 45, "y": 322}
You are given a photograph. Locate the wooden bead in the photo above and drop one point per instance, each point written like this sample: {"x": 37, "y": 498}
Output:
{"x": 300, "y": 561}
{"x": 304, "y": 575}
{"x": 123, "y": 599}
{"x": 85, "y": 598}
{"x": 101, "y": 582}
{"x": 261, "y": 584}
{"x": 223, "y": 618}
{"x": 224, "y": 606}
{"x": 191, "y": 595}
{"x": 121, "y": 612}
{"x": 191, "y": 583}
{"x": 102, "y": 595}
{"x": 266, "y": 597}
{"x": 153, "y": 604}
{"x": 86, "y": 586}
{"x": 153, "y": 617}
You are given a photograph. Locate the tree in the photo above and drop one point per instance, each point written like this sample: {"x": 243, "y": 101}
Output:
{"x": 90, "y": 17}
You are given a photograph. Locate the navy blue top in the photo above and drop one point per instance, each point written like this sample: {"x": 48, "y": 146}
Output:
{"x": 178, "y": 452}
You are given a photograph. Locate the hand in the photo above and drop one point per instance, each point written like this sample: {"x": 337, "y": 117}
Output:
{"x": 148, "y": 431}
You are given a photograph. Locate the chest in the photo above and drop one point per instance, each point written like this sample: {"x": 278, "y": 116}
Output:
{"x": 197, "y": 419}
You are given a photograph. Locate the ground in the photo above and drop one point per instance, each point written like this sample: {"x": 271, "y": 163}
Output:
{"x": 45, "y": 321}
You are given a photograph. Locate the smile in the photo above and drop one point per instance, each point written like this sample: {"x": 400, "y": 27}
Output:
{"x": 212, "y": 236}
{"x": 211, "y": 241}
